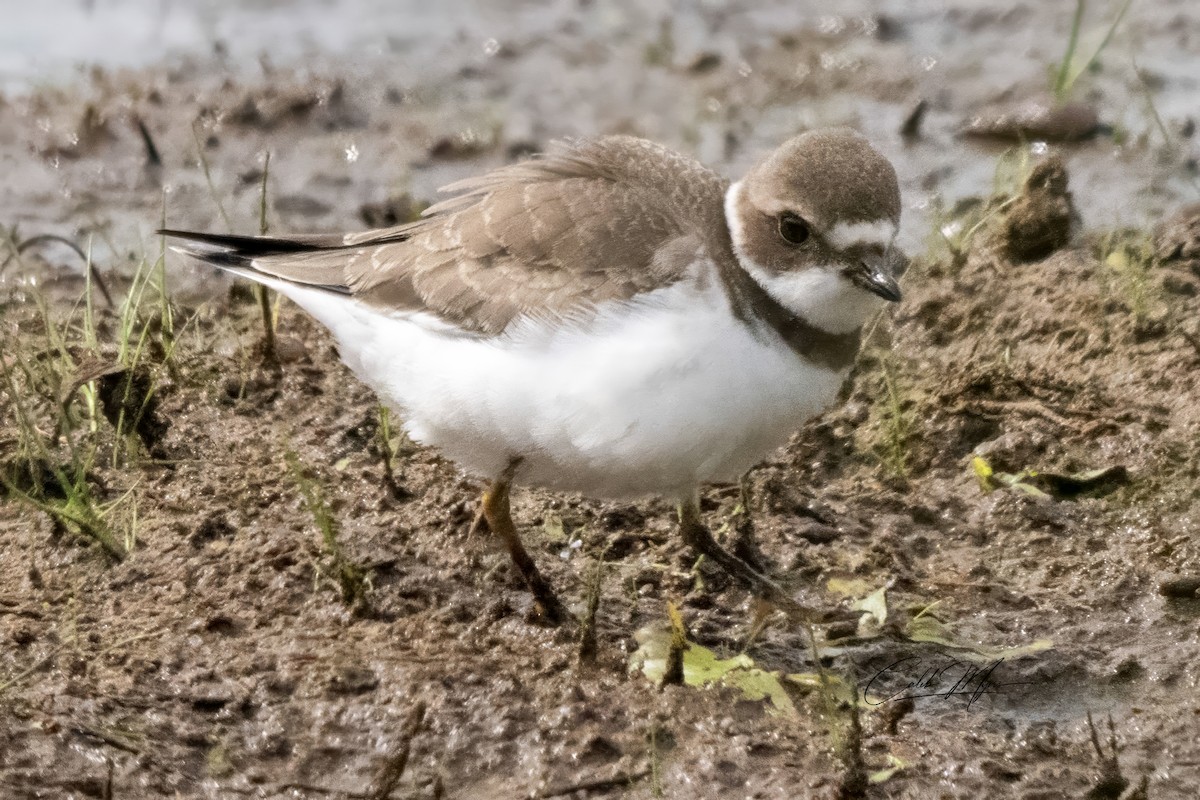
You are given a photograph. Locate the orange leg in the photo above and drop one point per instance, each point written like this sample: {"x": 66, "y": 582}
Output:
{"x": 497, "y": 513}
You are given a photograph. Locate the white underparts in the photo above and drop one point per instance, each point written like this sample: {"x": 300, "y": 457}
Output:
{"x": 821, "y": 296}
{"x": 651, "y": 396}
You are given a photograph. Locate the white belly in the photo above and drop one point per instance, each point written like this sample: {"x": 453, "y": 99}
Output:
{"x": 650, "y": 397}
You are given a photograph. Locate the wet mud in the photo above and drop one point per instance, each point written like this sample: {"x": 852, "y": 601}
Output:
{"x": 291, "y": 602}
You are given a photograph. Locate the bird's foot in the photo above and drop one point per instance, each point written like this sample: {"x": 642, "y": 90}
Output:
{"x": 697, "y": 535}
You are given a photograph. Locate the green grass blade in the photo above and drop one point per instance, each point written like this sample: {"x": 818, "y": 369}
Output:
{"x": 1060, "y": 82}
{"x": 1100, "y": 48}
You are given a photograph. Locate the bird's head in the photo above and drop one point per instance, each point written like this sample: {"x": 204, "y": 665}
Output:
{"x": 814, "y": 224}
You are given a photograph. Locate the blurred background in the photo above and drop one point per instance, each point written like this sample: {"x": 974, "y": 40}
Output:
{"x": 370, "y": 102}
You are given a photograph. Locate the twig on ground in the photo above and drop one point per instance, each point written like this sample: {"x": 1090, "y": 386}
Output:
{"x": 594, "y": 785}
{"x": 44, "y": 238}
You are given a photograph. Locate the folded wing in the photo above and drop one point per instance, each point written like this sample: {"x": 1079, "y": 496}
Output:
{"x": 602, "y": 220}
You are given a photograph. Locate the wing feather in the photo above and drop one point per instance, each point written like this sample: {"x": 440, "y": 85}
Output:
{"x": 590, "y": 222}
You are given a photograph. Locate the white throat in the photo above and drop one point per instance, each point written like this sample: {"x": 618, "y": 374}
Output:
{"x": 821, "y": 297}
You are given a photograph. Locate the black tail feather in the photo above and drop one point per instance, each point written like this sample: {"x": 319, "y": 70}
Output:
{"x": 246, "y": 248}
{"x": 257, "y": 257}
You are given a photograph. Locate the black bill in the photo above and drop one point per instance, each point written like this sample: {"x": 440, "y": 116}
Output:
{"x": 877, "y": 278}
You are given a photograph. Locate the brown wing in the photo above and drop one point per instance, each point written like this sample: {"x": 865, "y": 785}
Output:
{"x": 604, "y": 220}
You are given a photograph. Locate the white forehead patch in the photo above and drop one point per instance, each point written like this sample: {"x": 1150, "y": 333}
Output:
{"x": 847, "y": 234}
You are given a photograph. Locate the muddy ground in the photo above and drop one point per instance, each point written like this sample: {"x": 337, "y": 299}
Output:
{"x": 220, "y": 647}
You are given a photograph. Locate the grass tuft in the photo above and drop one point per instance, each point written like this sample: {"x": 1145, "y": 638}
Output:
{"x": 106, "y": 364}
{"x": 37, "y": 476}
{"x": 586, "y": 653}
{"x": 1127, "y": 273}
{"x": 146, "y": 342}
{"x": 389, "y": 451}
{"x": 270, "y": 355}
{"x": 1071, "y": 68}
{"x": 352, "y": 580}
{"x": 895, "y": 422}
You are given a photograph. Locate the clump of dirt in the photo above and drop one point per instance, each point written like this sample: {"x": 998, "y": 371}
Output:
{"x": 129, "y": 402}
{"x": 1039, "y": 221}
{"x": 1178, "y": 237}
{"x": 395, "y": 210}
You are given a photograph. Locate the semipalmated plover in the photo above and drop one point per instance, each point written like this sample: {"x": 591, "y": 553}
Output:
{"x": 612, "y": 318}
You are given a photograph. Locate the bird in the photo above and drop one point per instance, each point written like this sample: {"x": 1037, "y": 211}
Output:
{"x": 610, "y": 317}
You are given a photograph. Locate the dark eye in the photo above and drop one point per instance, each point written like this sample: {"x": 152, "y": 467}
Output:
{"x": 793, "y": 229}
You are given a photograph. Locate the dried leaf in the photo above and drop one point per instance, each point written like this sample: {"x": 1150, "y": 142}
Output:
{"x": 875, "y": 607}
{"x": 848, "y": 587}
{"x": 554, "y": 529}
{"x": 702, "y": 668}
{"x": 895, "y": 765}
{"x": 1099, "y": 481}
{"x": 1051, "y": 484}
{"x": 927, "y": 628}
{"x": 983, "y": 471}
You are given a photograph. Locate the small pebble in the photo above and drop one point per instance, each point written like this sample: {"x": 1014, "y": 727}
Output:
{"x": 1038, "y": 118}
{"x": 1184, "y": 587}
